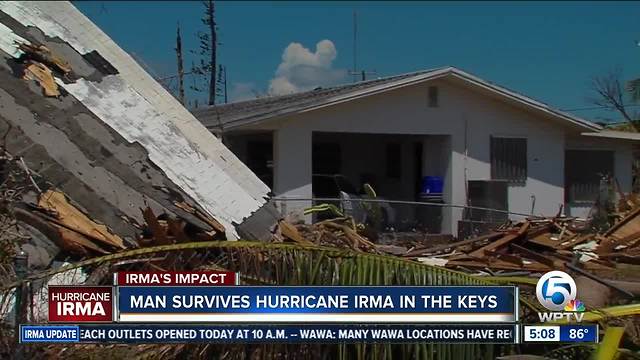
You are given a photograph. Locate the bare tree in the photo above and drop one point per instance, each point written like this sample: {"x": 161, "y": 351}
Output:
{"x": 207, "y": 51}
{"x": 180, "y": 66}
{"x": 613, "y": 95}
{"x": 633, "y": 87}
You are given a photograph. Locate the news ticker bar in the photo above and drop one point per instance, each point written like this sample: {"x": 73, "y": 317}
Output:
{"x": 242, "y": 334}
{"x": 156, "y": 333}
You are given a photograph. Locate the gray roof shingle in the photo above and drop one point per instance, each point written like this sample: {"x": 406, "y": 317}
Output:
{"x": 230, "y": 113}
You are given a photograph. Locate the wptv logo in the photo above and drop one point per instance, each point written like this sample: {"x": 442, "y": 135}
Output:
{"x": 557, "y": 291}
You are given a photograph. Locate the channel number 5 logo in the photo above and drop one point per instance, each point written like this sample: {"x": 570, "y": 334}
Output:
{"x": 555, "y": 289}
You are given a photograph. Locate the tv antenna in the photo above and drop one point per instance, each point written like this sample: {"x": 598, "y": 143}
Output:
{"x": 355, "y": 72}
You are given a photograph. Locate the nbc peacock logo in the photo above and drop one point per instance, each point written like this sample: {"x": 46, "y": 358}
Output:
{"x": 574, "y": 306}
{"x": 557, "y": 291}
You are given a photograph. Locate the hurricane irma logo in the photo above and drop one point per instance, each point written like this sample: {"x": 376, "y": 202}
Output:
{"x": 555, "y": 290}
{"x": 575, "y": 306}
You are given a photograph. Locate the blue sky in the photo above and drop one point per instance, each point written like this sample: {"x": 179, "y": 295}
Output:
{"x": 546, "y": 50}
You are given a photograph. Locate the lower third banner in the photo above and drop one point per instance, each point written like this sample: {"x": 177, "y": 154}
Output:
{"x": 144, "y": 334}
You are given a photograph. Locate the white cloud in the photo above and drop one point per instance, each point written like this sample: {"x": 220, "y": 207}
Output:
{"x": 302, "y": 69}
{"x": 241, "y": 91}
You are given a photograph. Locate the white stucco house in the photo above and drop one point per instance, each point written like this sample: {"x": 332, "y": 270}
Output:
{"x": 531, "y": 158}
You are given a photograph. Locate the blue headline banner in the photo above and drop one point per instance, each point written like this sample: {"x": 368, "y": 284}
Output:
{"x": 318, "y": 304}
{"x": 317, "y": 299}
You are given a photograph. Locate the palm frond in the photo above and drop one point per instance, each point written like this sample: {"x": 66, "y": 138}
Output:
{"x": 608, "y": 348}
{"x": 291, "y": 264}
{"x": 619, "y": 311}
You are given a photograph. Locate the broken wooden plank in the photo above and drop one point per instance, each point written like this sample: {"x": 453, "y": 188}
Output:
{"x": 629, "y": 225}
{"x": 574, "y": 241}
{"x": 66, "y": 239}
{"x": 44, "y": 55}
{"x": 290, "y": 232}
{"x": 534, "y": 255}
{"x": 500, "y": 265}
{"x": 158, "y": 231}
{"x": 74, "y": 219}
{"x": 43, "y": 75}
{"x": 418, "y": 252}
{"x": 622, "y": 257}
{"x": 501, "y": 242}
{"x": 215, "y": 224}
{"x": 351, "y": 234}
{"x": 504, "y": 257}
{"x": 610, "y": 243}
{"x": 392, "y": 249}
{"x": 73, "y": 239}
{"x": 544, "y": 240}
{"x": 176, "y": 228}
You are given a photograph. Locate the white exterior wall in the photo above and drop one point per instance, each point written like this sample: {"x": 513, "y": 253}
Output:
{"x": 469, "y": 118}
{"x": 292, "y": 167}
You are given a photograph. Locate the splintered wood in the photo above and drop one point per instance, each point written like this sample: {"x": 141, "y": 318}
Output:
{"x": 43, "y": 75}
{"x": 74, "y": 232}
{"x": 339, "y": 232}
{"x": 74, "y": 223}
{"x": 535, "y": 245}
{"x": 543, "y": 245}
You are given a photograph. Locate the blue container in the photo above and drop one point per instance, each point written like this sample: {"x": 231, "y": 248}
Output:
{"x": 432, "y": 185}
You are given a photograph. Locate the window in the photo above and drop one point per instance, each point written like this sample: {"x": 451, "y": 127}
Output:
{"x": 509, "y": 159}
{"x": 583, "y": 171}
{"x": 394, "y": 160}
{"x": 433, "y": 96}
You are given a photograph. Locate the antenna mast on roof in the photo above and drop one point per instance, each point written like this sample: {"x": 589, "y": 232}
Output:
{"x": 355, "y": 44}
{"x": 363, "y": 73}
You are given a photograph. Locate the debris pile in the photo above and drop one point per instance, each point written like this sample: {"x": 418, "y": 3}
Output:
{"x": 340, "y": 232}
{"x": 532, "y": 245}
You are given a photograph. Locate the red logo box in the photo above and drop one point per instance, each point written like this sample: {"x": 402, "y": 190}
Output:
{"x": 80, "y": 304}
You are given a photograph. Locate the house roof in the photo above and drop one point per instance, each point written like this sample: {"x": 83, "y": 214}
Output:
{"x": 235, "y": 115}
{"x": 613, "y": 134}
{"x": 113, "y": 139}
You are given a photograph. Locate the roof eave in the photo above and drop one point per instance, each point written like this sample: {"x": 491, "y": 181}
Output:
{"x": 439, "y": 73}
{"x": 616, "y": 135}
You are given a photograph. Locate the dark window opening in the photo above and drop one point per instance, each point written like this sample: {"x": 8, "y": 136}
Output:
{"x": 345, "y": 185}
{"x": 433, "y": 96}
{"x": 583, "y": 171}
{"x": 326, "y": 158}
{"x": 509, "y": 159}
{"x": 260, "y": 160}
{"x": 394, "y": 160}
{"x": 324, "y": 186}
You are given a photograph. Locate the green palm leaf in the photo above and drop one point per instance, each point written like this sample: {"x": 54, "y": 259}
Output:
{"x": 286, "y": 264}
